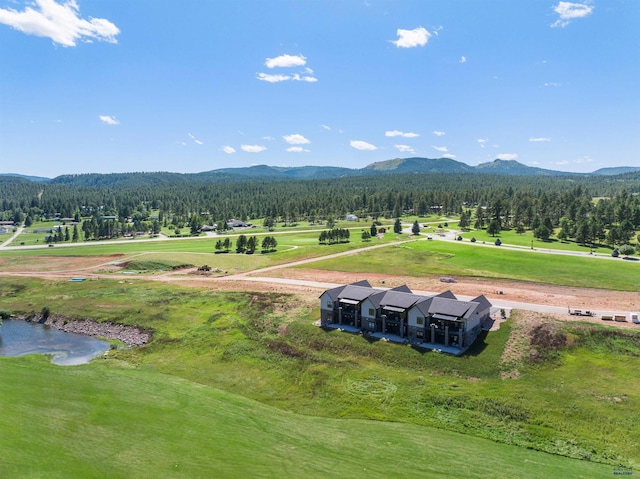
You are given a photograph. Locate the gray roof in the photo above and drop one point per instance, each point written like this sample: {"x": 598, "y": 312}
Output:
{"x": 483, "y": 303}
{"x": 403, "y": 289}
{"x": 399, "y": 299}
{"x": 356, "y": 293}
{"x": 376, "y": 298}
{"x": 334, "y": 293}
{"x": 446, "y": 294}
{"x": 451, "y": 307}
{"x": 424, "y": 305}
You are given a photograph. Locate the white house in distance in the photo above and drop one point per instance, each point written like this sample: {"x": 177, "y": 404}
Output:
{"x": 439, "y": 322}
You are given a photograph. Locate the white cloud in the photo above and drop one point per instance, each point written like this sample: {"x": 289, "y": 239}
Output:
{"x": 109, "y": 120}
{"x": 60, "y": 22}
{"x": 539, "y": 139}
{"x": 481, "y": 142}
{"x": 507, "y": 156}
{"x": 229, "y": 150}
{"x": 325, "y": 127}
{"x": 253, "y": 148}
{"x": 404, "y": 148}
{"x": 438, "y": 133}
{"x": 463, "y": 59}
{"x": 285, "y": 61}
{"x": 296, "y": 139}
{"x": 584, "y": 159}
{"x": 563, "y": 162}
{"x": 297, "y": 149}
{"x": 418, "y": 37}
{"x": 198, "y": 142}
{"x": 550, "y": 83}
{"x": 568, "y": 11}
{"x": 442, "y": 149}
{"x": 449, "y": 155}
{"x": 273, "y": 78}
{"x": 401, "y": 133}
{"x": 268, "y": 77}
{"x": 268, "y": 138}
{"x": 362, "y": 145}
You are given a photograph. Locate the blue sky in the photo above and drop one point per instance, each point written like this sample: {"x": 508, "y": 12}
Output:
{"x": 188, "y": 86}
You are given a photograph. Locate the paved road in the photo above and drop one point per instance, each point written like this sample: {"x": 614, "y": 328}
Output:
{"x": 259, "y": 275}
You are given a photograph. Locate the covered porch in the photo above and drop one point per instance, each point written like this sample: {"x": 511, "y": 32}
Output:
{"x": 445, "y": 330}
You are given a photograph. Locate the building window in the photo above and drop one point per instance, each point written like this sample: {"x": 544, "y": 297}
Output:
{"x": 419, "y": 334}
{"x": 329, "y": 304}
{"x": 420, "y": 320}
{"x": 372, "y": 312}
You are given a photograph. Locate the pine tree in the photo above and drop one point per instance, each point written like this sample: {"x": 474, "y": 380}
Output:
{"x": 397, "y": 226}
{"x": 415, "y": 229}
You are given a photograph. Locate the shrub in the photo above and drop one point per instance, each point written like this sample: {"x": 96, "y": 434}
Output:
{"x": 626, "y": 250}
{"x": 498, "y": 242}
{"x": 473, "y": 240}
{"x": 46, "y": 312}
{"x": 459, "y": 238}
{"x": 615, "y": 253}
{"x": 4, "y": 314}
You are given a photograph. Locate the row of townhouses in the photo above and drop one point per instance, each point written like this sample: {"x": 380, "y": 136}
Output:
{"x": 433, "y": 322}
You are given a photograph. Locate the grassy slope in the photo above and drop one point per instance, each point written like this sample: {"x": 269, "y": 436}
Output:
{"x": 265, "y": 348}
{"x": 108, "y": 420}
{"x": 423, "y": 258}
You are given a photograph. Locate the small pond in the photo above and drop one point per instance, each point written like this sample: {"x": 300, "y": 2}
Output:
{"x": 18, "y": 338}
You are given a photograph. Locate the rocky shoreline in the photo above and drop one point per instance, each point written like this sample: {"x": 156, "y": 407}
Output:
{"x": 130, "y": 335}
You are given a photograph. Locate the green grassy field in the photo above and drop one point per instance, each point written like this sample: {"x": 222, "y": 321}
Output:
{"x": 154, "y": 405}
{"x": 291, "y": 247}
{"x": 524, "y": 240}
{"x": 111, "y": 420}
{"x": 424, "y": 258}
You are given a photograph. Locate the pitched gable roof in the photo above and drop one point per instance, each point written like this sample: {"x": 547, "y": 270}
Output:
{"x": 399, "y": 299}
{"x": 334, "y": 292}
{"x": 356, "y": 293}
{"x": 483, "y": 303}
{"x": 450, "y": 307}
{"x": 402, "y": 289}
{"x": 446, "y": 294}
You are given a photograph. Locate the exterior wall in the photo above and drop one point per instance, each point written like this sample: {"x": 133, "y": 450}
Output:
{"x": 413, "y": 325}
{"x": 368, "y": 320}
{"x": 327, "y": 306}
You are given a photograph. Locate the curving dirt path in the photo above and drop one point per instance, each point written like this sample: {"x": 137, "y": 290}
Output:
{"x": 311, "y": 282}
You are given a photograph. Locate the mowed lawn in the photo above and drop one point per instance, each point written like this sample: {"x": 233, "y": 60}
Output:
{"x": 111, "y": 420}
{"x": 292, "y": 246}
{"x": 582, "y": 403}
{"x": 424, "y": 258}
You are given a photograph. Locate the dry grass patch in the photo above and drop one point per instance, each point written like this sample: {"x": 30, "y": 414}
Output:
{"x": 533, "y": 337}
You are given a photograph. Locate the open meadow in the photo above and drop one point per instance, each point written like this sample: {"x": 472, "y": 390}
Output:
{"x": 579, "y": 401}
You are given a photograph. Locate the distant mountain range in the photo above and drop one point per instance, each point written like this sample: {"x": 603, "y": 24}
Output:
{"x": 396, "y": 166}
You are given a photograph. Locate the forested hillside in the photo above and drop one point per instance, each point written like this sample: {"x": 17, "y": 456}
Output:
{"x": 513, "y": 201}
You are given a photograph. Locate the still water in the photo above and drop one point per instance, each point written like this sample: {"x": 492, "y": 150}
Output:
{"x": 67, "y": 349}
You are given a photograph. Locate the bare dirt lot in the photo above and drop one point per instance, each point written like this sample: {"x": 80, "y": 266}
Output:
{"x": 525, "y": 292}
{"x": 584, "y": 298}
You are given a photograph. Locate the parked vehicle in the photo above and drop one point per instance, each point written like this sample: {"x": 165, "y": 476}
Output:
{"x": 580, "y": 312}
{"x": 635, "y": 318}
